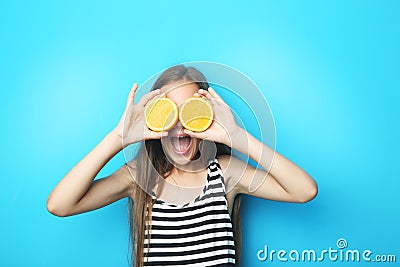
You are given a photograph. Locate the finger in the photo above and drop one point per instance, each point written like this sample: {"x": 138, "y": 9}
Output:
{"x": 214, "y": 102}
{"x": 146, "y": 98}
{"x": 214, "y": 94}
{"x": 134, "y": 87}
{"x": 205, "y": 93}
{"x": 157, "y": 95}
{"x": 199, "y": 95}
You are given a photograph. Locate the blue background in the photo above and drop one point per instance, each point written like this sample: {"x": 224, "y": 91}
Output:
{"x": 329, "y": 70}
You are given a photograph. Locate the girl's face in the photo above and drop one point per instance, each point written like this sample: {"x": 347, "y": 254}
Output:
{"x": 180, "y": 147}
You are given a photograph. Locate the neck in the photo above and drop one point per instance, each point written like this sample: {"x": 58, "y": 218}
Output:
{"x": 186, "y": 178}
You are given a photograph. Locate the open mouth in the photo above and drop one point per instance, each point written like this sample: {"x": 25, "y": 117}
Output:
{"x": 181, "y": 144}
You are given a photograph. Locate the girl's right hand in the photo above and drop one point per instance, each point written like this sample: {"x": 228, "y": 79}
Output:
{"x": 132, "y": 126}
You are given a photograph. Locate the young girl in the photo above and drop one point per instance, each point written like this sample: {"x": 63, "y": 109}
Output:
{"x": 180, "y": 215}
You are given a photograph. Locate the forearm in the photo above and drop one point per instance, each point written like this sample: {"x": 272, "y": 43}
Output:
{"x": 75, "y": 184}
{"x": 293, "y": 179}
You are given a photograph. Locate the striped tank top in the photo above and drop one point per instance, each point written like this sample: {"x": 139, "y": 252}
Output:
{"x": 196, "y": 234}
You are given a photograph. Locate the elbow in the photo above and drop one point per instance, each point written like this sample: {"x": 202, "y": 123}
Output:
{"x": 309, "y": 194}
{"x": 55, "y": 210}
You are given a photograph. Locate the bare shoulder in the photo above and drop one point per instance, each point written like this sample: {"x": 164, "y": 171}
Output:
{"x": 128, "y": 173}
{"x": 223, "y": 161}
{"x": 239, "y": 174}
{"x": 230, "y": 165}
{"x": 227, "y": 163}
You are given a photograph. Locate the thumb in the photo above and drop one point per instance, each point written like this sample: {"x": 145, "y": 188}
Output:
{"x": 200, "y": 135}
{"x": 155, "y": 135}
{"x": 131, "y": 95}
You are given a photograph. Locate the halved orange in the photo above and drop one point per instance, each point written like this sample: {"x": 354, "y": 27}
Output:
{"x": 196, "y": 114}
{"x": 161, "y": 114}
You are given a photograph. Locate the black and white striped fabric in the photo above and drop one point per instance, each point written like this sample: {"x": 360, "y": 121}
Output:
{"x": 195, "y": 234}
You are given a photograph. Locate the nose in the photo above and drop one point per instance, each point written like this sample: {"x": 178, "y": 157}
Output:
{"x": 177, "y": 128}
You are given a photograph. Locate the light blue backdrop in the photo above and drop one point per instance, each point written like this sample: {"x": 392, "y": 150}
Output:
{"x": 329, "y": 69}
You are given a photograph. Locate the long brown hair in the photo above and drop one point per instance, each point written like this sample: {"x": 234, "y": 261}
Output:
{"x": 151, "y": 162}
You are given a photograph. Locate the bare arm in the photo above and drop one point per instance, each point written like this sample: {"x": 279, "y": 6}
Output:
{"x": 77, "y": 192}
{"x": 285, "y": 181}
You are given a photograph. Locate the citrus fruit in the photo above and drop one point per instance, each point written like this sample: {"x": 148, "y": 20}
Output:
{"x": 161, "y": 114}
{"x": 196, "y": 114}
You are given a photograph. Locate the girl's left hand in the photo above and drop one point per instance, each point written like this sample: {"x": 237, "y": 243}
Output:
{"x": 223, "y": 125}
